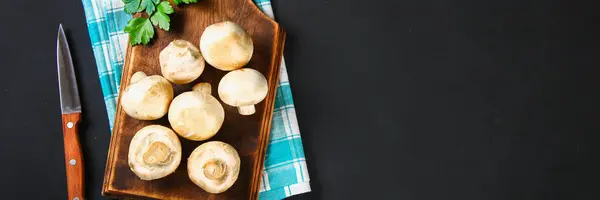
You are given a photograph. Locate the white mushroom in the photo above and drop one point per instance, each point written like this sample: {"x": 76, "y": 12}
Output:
{"x": 243, "y": 88}
{"x": 226, "y": 46}
{"x": 196, "y": 115}
{"x": 147, "y": 97}
{"x": 154, "y": 152}
{"x": 181, "y": 62}
{"x": 214, "y": 166}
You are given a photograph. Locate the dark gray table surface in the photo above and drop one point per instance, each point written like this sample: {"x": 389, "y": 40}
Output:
{"x": 405, "y": 99}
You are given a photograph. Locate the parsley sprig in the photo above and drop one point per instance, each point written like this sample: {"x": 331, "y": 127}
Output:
{"x": 141, "y": 29}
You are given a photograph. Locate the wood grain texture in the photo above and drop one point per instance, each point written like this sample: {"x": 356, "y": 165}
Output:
{"x": 73, "y": 156}
{"x": 247, "y": 134}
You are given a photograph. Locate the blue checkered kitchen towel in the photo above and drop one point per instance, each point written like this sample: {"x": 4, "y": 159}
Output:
{"x": 284, "y": 174}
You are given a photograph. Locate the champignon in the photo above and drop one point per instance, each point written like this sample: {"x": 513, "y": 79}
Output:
{"x": 196, "y": 115}
{"x": 243, "y": 88}
{"x": 214, "y": 166}
{"x": 154, "y": 152}
{"x": 226, "y": 46}
{"x": 181, "y": 62}
{"x": 147, "y": 97}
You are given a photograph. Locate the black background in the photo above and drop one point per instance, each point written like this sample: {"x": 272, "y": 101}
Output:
{"x": 404, "y": 99}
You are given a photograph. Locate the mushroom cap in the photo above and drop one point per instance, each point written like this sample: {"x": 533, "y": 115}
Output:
{"x": 196, "y": 115}
{"x": 147, "y": 97}
{"x": 181, "y": 62}
{"x": 154, "y": 152}
{"x": 243, "y": 87}
{"x": 226, "y": 46}
{"x": 214, "y": 166}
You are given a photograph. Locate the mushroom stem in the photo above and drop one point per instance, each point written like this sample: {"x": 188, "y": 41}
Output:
{"x": 180, "y": 43}
{"x": 157, "y": 153}
{"x": 137, "y": 76}
{"x": 181, "y": 49}
{"x": 214, "y": 169}
{"x": 246, "y": 110}
{"x": 202, "y": 87}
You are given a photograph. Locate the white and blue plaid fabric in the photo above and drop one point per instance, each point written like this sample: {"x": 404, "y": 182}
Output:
{"x": 284, "y": 174}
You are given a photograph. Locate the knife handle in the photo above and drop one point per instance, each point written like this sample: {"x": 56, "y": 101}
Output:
{"x": 73, "y": 156}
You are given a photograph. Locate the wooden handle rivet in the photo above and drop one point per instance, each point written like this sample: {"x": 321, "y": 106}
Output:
{"x": 72, "y": 161}
{"x": 76, "y": 198}
{"x": 70, "y": 125}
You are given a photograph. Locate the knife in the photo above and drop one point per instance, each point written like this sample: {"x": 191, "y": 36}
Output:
{"x": 71, "y": 114}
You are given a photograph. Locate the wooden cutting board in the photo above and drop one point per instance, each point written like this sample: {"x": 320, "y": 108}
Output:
{"x": 247, "y": 134}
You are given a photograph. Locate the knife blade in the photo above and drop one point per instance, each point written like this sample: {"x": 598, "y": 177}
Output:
{"x": 71, "y": 115}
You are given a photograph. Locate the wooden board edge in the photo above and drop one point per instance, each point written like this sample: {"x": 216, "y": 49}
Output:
{"x": 120, "y": 195}
{"x": 276, "y": 59}
{"x": 261, "y": 13}
{"x": 108, "y": 171}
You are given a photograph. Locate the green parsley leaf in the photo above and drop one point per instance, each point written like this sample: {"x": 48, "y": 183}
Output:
{"x": 161, "y": 16}
{"x": 131, "y": 6}
{"x": 140, "y": 30}
{"x": 149, "y": 5}
{"x": 165, "y": 7}
{"x": 177, "y": 2}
